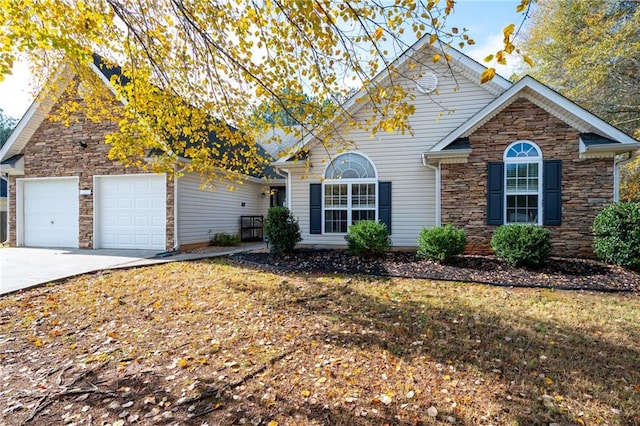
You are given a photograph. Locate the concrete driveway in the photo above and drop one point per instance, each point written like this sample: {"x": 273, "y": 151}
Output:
{"x": 22, "y": 268}
{"x": 25, "y": 267}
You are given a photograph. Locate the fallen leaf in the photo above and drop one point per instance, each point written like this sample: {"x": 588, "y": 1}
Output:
{"x": 385, "y": 399}
{"x": 305, "y": 393}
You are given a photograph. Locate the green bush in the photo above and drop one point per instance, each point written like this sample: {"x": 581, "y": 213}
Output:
{"x": 368, "y": 238}
{"x": 522, "y": 245}
{"x": 225, "y": 240}
{"x": 281, "y": 229}
{"x": 617, "y": 235}
{"x": 442, "y": 243}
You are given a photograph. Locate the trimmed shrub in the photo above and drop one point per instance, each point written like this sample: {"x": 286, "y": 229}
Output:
{"x": 368, "y": 238}
{"x": 442, "y": 243}
{"x": 225, "y": 240}
{"x": 522, "y": 245}
{"x": 281, "y": 229}
{"x": 617, "y": 235}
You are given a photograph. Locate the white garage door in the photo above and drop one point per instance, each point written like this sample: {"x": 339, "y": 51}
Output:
{"x": 130, "y": 211}
{"x": 50, "y": 212}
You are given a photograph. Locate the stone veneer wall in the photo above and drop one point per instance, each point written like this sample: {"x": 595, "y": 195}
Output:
{"x": 55, "y": 151}
{"x": 587, "y": 185}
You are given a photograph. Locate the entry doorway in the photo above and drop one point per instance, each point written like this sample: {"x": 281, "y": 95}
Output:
{"x": 278, "y": 196}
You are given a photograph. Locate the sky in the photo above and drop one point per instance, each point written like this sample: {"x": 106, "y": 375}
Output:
{"x": 484, "y": 19}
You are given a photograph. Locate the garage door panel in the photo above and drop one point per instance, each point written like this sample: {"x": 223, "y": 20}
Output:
{"x": 50, "y": 212}
{"x": 131, "y": 211}
{"x": 143, "y": 221}
{"x": 125, "y": 223}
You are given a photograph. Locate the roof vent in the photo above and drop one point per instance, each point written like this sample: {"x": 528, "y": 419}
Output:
{"x": 427, "y": 83}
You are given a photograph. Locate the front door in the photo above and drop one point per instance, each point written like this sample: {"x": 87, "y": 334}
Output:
{"x": 278, "y": 196}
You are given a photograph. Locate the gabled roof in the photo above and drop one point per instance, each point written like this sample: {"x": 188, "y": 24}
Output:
{"x": 41, "y": 106}
{"x": 462, "y": 63}
{"x": 594, "y": 129}
{"x": 224, "y": 149}
{"x": 38, "y": 111}
{"x": 35, "y": 115}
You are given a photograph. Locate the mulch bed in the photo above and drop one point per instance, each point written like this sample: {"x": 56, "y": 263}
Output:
{"x": 559, "y": 273}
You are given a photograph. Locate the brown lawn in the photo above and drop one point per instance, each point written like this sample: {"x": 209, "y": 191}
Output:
{"x": 211, "y": 342}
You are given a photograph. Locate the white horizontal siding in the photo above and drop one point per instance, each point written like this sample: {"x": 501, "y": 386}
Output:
{"x": 203, "y": 213}
{"x": 397, "y": 158}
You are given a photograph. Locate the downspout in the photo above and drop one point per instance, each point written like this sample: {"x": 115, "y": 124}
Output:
{"x": 616, "y": 173}
{"x": 6, "y": 177}
{"x": 288, "y": 189}
{"x": 176, "y": 185}
{"x": 437, "y": 170}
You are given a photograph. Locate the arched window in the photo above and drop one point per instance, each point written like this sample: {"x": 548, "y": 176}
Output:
{"x": 523, "y": 183}
{"x": 350, "y": 188}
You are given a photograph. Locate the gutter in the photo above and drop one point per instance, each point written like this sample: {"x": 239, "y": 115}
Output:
{"x": 437, "y": 171}
{"x": 606, "y": 150}
{"x": 453, "y": 156}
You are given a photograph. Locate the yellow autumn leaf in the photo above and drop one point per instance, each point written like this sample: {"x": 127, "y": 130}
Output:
{"x": 272, "y": 423}
{"x": 305, "y": 393}
{"x": 487, "y": 75}
{"x": 182, "y": 363}
{"x": 548, "y": 381}
{"x": 528, "y": 60}
{"x": 436, "y": 58}
{"x": 488, "y": 58}
{"x": 378, "y": 34}
{"x": 38, "y": 343}
{"x": 522, "y": 6}
{"x": 508, "y": 30}
{"x": 433, "y": 38}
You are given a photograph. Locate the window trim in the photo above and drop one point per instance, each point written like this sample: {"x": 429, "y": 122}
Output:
{"x": 349, "y": 182}
{"x": 523, "y": 160}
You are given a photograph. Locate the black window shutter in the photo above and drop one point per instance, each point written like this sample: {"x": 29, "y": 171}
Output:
{"x": 495, "y": 193}
{"x": 384, "y": 204}
{"x": 552, "y": 192}
{"x": 315, "y": 218}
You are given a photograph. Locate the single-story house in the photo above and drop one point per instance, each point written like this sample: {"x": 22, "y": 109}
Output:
{"x": 65, "y": 192}
{"x": 480, "y": 156}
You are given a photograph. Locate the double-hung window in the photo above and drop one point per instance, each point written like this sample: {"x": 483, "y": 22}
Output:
{"x": 350, "y": 187}
{"x": 523, "y": 183}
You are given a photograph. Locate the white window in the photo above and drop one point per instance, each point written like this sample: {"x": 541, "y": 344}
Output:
{"x": 350, "y": 188}
{"x": 523, "y": 183}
